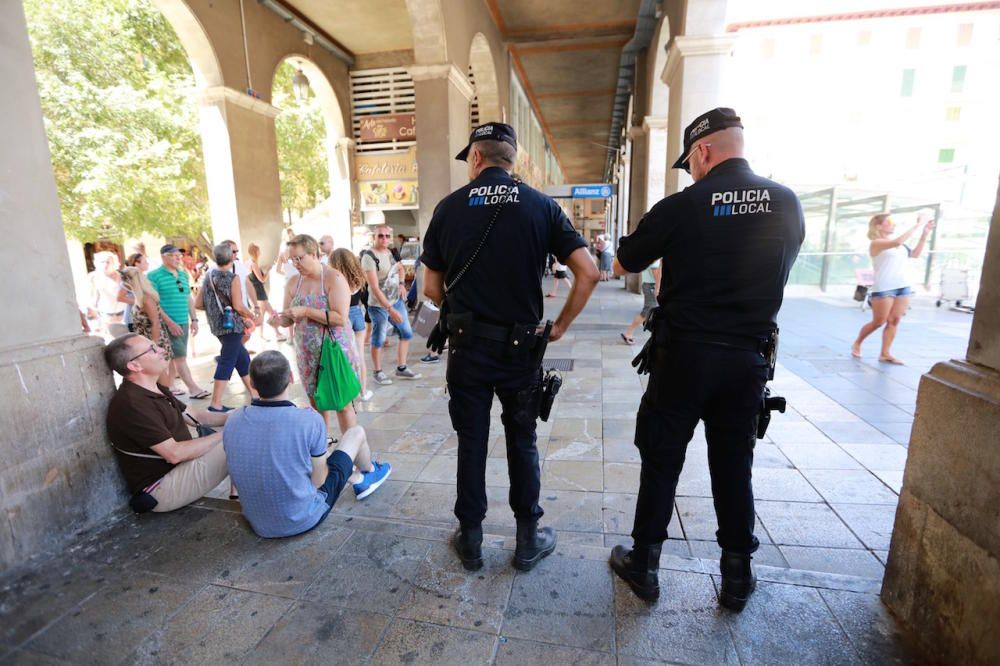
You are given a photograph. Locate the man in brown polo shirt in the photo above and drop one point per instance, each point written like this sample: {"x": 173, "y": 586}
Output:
{"x": 147, "y": 428}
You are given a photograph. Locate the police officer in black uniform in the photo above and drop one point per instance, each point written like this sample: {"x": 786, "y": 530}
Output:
{"x": 483, "y": 256}
{"x": 727, "y": 245}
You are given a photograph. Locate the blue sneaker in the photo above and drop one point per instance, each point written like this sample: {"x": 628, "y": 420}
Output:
{"x": 370, "y": 481}
{"x": 221, "y": 410}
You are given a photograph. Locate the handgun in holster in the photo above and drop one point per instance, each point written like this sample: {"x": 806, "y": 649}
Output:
{"x": 646, "y": 357}
{"x": 769, "y": 403}
{"x": 438, "y": 337}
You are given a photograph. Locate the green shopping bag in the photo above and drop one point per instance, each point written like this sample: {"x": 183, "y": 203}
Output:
{"x": 336, "y": 383}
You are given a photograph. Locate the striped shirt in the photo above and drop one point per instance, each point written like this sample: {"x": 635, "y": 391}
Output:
{"x": 174, "y": 290}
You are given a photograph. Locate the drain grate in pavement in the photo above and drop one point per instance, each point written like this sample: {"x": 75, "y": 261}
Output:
{"x": 561, "y": 364}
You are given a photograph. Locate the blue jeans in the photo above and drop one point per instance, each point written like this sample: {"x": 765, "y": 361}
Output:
{"x": 381, "y": 323}
{"x": 902, "y": 291}
{"x": 357, "y": 317}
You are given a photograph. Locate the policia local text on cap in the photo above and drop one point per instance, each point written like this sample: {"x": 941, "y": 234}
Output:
{"x": 727, "y": 244}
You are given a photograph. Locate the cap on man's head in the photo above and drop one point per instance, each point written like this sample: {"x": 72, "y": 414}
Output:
{"x": 489, "y": 132}
{"x": 169, "y": 248}
{"x": 705, "y": 124}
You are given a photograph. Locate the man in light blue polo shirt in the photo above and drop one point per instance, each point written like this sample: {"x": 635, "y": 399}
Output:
{"x": 278, "y": 458}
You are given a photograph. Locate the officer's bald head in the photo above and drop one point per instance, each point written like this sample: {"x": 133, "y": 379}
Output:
{"x": 714, "y": 149}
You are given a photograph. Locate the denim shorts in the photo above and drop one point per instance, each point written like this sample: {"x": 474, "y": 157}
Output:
{"x": 902, "y": 291}
{"x": 381, "y": 323}
{"x": 357, "y": 316}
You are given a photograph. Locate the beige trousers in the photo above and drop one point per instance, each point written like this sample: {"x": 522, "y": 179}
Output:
{"x": 191, "y": 480}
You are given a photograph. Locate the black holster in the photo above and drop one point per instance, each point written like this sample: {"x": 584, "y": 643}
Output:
{"x": 438, "y": 337}
{"x": 768, "y": 404}
{"x": 659, "y": 338}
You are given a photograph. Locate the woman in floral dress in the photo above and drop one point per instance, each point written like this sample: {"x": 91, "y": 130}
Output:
{"x": 316, "y": 295}
{"x": 147, "y": 317}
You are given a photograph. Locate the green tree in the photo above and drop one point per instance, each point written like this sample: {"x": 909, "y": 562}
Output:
{"x": 115, "y": 88}
{"x": 302, "y": 154}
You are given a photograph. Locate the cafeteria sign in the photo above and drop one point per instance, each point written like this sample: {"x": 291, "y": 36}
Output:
{"x": 391, "y": 127}
{"x": 388, "y": 181}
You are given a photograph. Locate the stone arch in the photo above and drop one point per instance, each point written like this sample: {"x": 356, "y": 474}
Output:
{"x": 430, "y": 44}
{"x": 334, "y": 215}
{"x": 485, "y": 74}
{"x": 194, "y": 39}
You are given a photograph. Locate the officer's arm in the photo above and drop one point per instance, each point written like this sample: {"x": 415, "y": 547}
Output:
{"x": 617, "y": 269}
{"x": 586, "y": 278}
{"x": 434, "y": 286}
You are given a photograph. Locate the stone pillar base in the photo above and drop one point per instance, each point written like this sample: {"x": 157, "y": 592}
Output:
{"x": 943, "y": 573}
{"x": 58, "y": 474}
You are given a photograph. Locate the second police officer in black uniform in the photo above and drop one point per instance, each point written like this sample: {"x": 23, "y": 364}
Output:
{"x": 727, "y": 245}
{"x": 483, "y": 255}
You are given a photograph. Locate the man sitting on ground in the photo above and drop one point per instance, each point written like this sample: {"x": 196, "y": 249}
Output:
{"x": 278, "y": 458}
{"x": 163, "y": 466}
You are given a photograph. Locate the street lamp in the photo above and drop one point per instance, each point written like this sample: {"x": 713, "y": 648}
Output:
{"x": 300, "y": 85}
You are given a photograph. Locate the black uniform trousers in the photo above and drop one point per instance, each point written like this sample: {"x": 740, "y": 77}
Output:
{"x": 475, "y": 374}
{"x": 688, "y": 382}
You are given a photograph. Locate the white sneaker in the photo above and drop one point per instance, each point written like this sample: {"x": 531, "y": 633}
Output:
{"x": 367, "y": 395}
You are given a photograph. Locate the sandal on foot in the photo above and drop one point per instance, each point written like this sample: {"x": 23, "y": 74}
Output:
{"x": 201, "y": 395}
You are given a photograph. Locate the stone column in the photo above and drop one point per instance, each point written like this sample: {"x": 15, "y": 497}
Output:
{"x": 656, "y": 149}
{"x": 943, "y": 574}
{"x": 241, "y": 169}
{"x": 696, "y": 72}
{"x": 442, "y": 94}
{"x": 58, "y": 476}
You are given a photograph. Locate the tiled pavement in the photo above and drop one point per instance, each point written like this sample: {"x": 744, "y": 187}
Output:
{"x": 377, "y": 584}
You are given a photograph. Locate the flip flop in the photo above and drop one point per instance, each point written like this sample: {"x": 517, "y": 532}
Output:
{"x": 629, "y": 341}
{"x": 178, "y": 391}
{"x": 201, "y": 395}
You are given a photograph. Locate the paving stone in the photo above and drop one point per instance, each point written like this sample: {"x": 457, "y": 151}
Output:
{"x": 620, "y": 451}
{"x": 411, "y": 441}
{"x": 572, "y": 475}
{"x": 418, "y": 406}
{"x": 809, "y": 633}
{"x": 565, "y": 448}
{"x": 766, "y": 554}
{"x": 372, "y": 572}
{"x": 834, "y": 560}
{"x": 317, "y": 633}
{"x": 571, "y": 510}
{"x": 283, "y": 567}
{"x": 891, "y": 478}
{"x": 563, "y": 601}
{"x": 795, "y": 432}
{"x": 695, "y": 480}
{"x": 28, "y": 658}
{"x": 517, "y": 652}
{"x": 427, "y": 501}
{"x": 686, "y": 625}
{"x": 436, "y": 422}
{"x": 621, "y": 477}
{"x": 409, "y": 642}
{"x": 899, "y": 432}
{"x": 619, "y": 428}
{"x": 853, "y": 487}
{"x": 380, "y": 503}
{"x": 869, "y": 627}
{"x": 872, "y": 523}
{"x": 696, "y": 515}
{"x": 819, "y": 456}
{"x": 381, "y": 441}
{"x": 218, "y": 625}
{"x": 576, "y": 409}
{"x": 769, "y": 455}
{"x": 439, "y": 469}
{"x": 782, "y": 484}
{"x": 445, "y": 593}
{"x": 804, "y": 524}
{"x": 853, "y": 432}
{"x": 879, "y": 456}
{"x": 619, "y": 512}
{"x": 405, "y": 466}
{"x": 577, "y": 429}
{"x": 113, "y": 621}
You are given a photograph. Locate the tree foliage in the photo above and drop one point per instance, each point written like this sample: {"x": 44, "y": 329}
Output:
{"x": 115, "y": 86}
{"x": 302, "y": 154}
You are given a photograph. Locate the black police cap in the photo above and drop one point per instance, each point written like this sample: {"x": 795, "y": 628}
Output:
{"x": 490, "y": 132}
{"x": 705, "y": 124}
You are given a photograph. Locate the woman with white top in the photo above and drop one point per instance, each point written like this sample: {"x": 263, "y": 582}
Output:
{"x": 890, "y": 293}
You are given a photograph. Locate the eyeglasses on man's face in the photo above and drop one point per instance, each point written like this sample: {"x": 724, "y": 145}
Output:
{"x": 153, "y": 347}
{"x": 694, "y": 149}
{"x": 383, "y": 235}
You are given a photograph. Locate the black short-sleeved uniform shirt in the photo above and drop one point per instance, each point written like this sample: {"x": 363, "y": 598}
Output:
{"x": 139, "y": 419}
{"x": 504, "y": 285}
{"x": 727, "y": 243}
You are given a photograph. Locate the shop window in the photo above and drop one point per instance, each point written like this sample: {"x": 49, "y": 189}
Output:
{"x": 958, "y": 78}
{"x": 909, "y": 76}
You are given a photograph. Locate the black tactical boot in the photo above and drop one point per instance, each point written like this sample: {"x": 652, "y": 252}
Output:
{"x": 468, "y": 543}
{"x": 639, "y": 568}
{"x": 738, "y": 580}
{"x": 532, "y": 544}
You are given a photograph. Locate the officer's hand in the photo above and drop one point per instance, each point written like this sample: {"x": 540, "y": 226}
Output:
{"x": 395, "y": 316}
{"x": 556, "y": 332}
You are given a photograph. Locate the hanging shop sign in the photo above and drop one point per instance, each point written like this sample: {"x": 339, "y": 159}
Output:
{"x": 388, "y": 181}
{"x": 391, "y": 127}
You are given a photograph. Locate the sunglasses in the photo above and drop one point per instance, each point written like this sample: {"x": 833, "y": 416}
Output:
{"x": 297, "y": 258}
{"x": 152, "y": 348}
{"x": 180, "y": 286}
{"x": 694, "y": 148}
{"x": 383, "y": 236}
